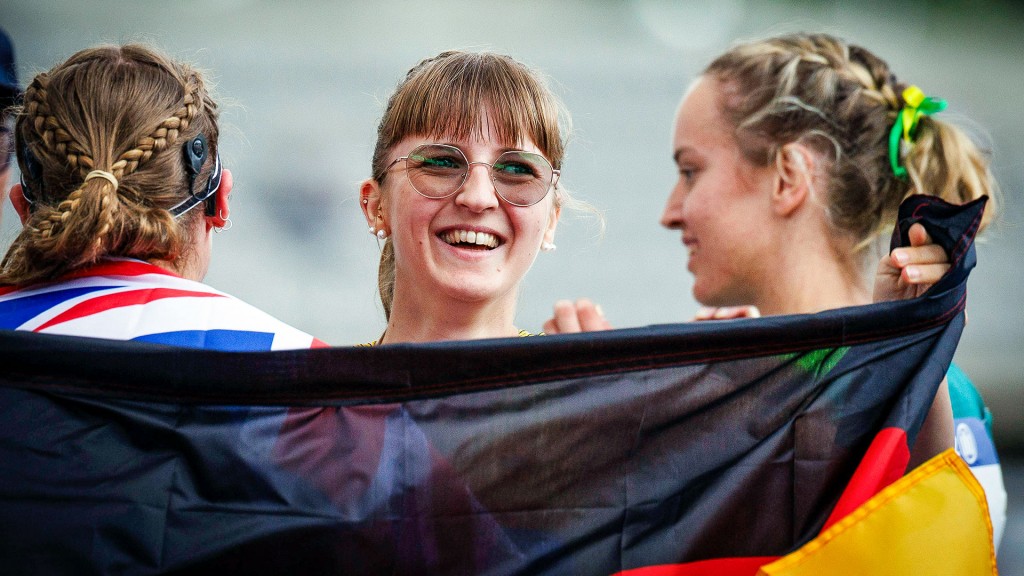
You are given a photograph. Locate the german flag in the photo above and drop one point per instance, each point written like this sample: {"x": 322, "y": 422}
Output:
{"x": 775, "y": 445}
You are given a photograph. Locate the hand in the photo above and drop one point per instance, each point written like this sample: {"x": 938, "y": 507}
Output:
{"x": 727, "y": 312}
{"x": 908, "y": 272}
{"x": 583, "y": 316}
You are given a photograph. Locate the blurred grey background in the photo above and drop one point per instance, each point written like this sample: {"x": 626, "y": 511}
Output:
{"x": 302, "y": 85}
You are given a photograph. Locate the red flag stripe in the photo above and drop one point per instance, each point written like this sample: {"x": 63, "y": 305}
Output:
{"x": 120, "y": 300}
{"x": 716, "y": 567}
{"x": 884, "y": 462}
{"x": 106, "y": 268}
{"x": 119, "y": 268}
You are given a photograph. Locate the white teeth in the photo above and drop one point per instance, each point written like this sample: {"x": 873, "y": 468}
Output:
{"x": 470, "y": 237}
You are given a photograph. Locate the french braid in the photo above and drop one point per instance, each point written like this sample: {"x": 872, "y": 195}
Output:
{"x": 96, "y": 218}
{"x": 842, "y": 99}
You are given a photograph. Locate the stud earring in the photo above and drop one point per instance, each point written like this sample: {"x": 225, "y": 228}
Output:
{"x": 373, "y": 230}
{"x": 547, "y": 246}
{"x": 381, "y": 234}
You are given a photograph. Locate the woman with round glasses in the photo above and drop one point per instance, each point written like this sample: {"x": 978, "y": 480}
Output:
{"x": 464, "y": 195}
{"x": 122, "y": 187}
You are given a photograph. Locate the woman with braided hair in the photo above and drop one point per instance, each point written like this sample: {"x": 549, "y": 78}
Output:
{"x": 122, "y": 187}
{"x": 794, "y": 154}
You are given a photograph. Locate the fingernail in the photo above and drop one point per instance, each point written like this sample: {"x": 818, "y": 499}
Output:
{"x": 901, "y": 257}
{"x": 913, "y": 274}
{"x": 600, "y": 311}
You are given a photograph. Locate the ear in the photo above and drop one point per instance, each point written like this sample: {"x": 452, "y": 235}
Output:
{"x": 21, "y": 206}
{"x": 797, "y": 166}
{"x": 556, "y": 213}
{"x": 220, "y": 219}
{"x": 372, "y": 205}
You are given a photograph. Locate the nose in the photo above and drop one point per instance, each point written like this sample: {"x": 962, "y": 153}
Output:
{"x": 672, "y": 215}
{"x": 478, "y": 192}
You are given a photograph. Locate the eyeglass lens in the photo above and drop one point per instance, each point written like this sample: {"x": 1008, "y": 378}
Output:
{"x": 521, "y": 178}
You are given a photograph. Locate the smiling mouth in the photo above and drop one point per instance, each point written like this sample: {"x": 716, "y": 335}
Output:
{"x": 470, "y": 239}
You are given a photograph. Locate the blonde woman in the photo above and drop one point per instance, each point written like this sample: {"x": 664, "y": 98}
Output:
{"x": 793, "y": 155}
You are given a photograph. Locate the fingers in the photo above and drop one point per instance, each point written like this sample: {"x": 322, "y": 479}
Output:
{"x": 727, "y": 312}
{"x": 924, "y": 274}
{"x": 923, "y": 262}
{"x": 926, "y": 254}
{"x": 565, "y": 320}
{"x": 570, "y": 318}
{"x": 918, "y": 236}
{"x": 705, "y": 313}
{"x": 590, "y": 316}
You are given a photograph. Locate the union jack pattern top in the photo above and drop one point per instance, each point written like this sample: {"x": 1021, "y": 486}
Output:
{"x": 126, "y": 299}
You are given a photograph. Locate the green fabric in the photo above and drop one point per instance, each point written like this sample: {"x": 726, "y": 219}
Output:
{"x": 819, "y": 362}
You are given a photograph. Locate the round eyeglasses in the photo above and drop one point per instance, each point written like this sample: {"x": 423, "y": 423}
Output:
{"x": 438, "y": 171}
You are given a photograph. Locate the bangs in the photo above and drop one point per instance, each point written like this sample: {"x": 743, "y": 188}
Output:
{"x": 481, "y": 95}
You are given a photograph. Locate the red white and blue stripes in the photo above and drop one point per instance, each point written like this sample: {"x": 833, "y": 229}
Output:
{"x": 123, "y": 299}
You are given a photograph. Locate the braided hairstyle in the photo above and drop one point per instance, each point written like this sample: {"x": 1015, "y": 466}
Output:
{"x": 446, "y": 96}
{"x": 842, "y": 100}
{"x": 125, "y": 110}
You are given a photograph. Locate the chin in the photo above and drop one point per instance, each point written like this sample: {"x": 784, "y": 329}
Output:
{"x": 713, "y": 296}
{"x": 466, "y": 290}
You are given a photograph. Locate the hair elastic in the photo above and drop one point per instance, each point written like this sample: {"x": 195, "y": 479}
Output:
{"x": 101, "y": 174}
{"x": 916, "y": 104}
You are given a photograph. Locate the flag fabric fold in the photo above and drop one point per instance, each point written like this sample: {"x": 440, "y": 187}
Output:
{"x": 906, "y": 529}
{"x": 692, "y": 444}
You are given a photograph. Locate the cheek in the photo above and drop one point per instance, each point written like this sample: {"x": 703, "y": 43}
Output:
{"x": 530, "y": 222}
{"x": 694, "y": 208}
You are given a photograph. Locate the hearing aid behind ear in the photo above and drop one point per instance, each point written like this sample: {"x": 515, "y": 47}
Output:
{"x": 196, "y": 152}
{"x": 35, "y": 173}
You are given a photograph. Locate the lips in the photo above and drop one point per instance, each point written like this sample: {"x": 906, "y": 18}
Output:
{"x": 474, "y": 239}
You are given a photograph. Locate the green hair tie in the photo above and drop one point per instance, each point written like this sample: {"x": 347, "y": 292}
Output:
{"x": 916, "y": 104}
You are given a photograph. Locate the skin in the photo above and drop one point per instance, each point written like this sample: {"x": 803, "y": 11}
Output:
{"x": 4, "y": 177}
{"x": 758, "y": 241}
{"x": 447, "y": 292}
{"x": 737, "y": 274}
{"x": 194, "y": 262}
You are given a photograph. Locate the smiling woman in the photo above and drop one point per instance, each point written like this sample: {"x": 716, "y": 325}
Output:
{"x": 465, "y": 193}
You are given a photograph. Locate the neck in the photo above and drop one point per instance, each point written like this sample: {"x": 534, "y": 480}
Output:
{"x": 814, "y": 281}
{"x": 417, "y": 319}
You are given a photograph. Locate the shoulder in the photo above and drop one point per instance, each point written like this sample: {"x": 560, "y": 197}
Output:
{"x": 967, "y": 401}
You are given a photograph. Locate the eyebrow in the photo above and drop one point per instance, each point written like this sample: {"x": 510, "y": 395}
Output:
{"x": 501, "y": 150}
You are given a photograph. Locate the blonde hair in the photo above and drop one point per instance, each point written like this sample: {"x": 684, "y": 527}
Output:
{"x": 447, "y": 97}
{"x": 124, "y": 110}
{"x": 843, "y": 100}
